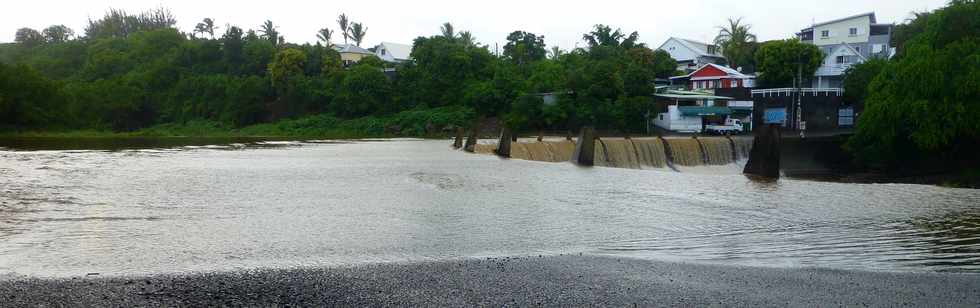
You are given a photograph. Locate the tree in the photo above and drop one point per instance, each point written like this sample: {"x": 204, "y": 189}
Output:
{"x": 324, "y": 36}
{"x": 924, "y": 104}
{"x": 27, "y": 99}
{"x": 467, "y": 39}
{"x": 28, "y": 37}
{"x": 859, "y": 76}
{"x": 603, "y": 35}
{"x": 447, "y": 31}
{"x": 206, "y": 26}
{"x": 287, "y": 64}
{"x": 58, "y": 34}
{"x": 555, "y": 52}
{"x": 357, "y": 33}
{"x": 269, "y": 32}
{"x": 523, "y": 48}
{"x": 117, "y": 23}
{"x": 736, "y": 42}
{"x": 344, "y": 24}
{"x": 781, "y": 62}
{"x": 911, "y": 27}
{"x": 364, "y": 90}
{"x": 233, "y": 44}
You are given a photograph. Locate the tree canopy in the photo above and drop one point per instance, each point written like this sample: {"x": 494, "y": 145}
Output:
{"x": 780, "y": 62}
{"x": 926, "y": 101}
{"x": 133, "y": 71}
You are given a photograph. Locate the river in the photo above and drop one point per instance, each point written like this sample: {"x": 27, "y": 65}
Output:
{"x": 179, "y": 209}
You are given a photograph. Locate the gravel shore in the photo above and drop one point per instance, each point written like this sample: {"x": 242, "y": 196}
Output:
{"x": 527, "y": 281}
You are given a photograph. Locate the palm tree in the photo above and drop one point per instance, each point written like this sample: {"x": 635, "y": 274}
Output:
{"x": 324, "y": 35}
{"x": 269, "y": 31}
{"x": 467, "y": 38}
{"x": 344, "y": 24}
{"x": 447, "y": 30}
{"x": 209, "y": 26}
{"x": 735, "y": 41}
{"x": 556, "y": 52}
{"x": 357, "y": 32}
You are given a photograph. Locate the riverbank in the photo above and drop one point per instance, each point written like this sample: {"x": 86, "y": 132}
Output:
{"x": 521, "y": 281}
{"x": 435, "y": 122}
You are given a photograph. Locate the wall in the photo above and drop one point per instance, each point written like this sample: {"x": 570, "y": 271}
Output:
{"x": 820, "y": 112}
{"x": 672, "y": 120}
{"x": 678, "y": 51}
{"x": 839, "y": 32}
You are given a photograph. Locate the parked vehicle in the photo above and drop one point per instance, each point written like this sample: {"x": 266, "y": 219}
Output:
{"x": 731, "y": 127}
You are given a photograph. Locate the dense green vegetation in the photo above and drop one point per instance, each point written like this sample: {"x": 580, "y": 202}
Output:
{"x": 138, "y": 73}
{"x": 925, "y": 102}
{"x": 783, "y": 61}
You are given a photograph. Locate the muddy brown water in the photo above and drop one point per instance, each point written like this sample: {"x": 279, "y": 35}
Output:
{"x": 253, "y": 204}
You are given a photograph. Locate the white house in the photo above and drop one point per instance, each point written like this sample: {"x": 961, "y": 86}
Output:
{"x": 691, "y": 55}
{"x": 393, "y": 52}
{"x": 845, "y": 42}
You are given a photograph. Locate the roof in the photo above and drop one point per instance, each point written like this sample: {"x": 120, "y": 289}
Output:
{"x": 398, "y": 51}
{"x": 698, "y": 47}
{"x": 728, "y": 70}
{"x": 351, "y": 48}
{"x": 693, "y": 97}
{"x": 869, "y": 14}
{"x": 704, "y": 111}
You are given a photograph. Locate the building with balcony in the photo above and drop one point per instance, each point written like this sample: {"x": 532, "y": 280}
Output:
{"x": 846, "y": 42}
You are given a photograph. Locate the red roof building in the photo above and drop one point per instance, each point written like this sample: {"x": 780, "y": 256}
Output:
{"x": 714, "y": 76}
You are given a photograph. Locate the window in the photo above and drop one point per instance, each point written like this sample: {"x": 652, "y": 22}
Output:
{"x": 710, "y": 84}
{"x": 854, "y": 32}
{"x": 842, "y": 60}
{"x": 825, "y": 33}
{"x": 383, "y": 51}
{"x": 734, "y": 83}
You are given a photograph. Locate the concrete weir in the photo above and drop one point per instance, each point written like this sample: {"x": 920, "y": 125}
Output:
{"x": 585, "y": 147}
{"x": 471, "y": 140}
{"x": 458, "y": 142}
{"x": 764, "y": 157}
{"x": 503, "y": 146}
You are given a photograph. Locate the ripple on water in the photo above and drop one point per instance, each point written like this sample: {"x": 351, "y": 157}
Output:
{"x": 218, "y": 207}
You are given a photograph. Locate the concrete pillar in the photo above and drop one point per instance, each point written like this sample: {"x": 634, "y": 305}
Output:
{"x": 764, "y": 158}
{"x": 458, "y": 142}
{"x": 471, "y": 139}
{"x": 585, "y": 147}
{"x": 503, "y": 146}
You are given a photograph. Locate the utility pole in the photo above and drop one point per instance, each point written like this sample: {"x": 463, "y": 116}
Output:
{"x": 799, "y": 95}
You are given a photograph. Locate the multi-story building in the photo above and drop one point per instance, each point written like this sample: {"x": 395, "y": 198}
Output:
{"x": 845, "y": 42}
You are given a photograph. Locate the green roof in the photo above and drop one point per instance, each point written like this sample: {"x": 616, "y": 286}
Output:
{"x": 704, "y": 111}
{"x": 693, "y": 97}
{"x": 741, "y": 110}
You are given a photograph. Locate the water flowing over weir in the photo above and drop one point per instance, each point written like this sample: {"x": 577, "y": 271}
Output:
{"x": 639, "y": 153}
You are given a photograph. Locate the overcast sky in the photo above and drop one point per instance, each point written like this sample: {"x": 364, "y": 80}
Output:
{"x": 561, "y": 22}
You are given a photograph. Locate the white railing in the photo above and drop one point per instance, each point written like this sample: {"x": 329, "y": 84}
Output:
{"x": 804, "y": 91}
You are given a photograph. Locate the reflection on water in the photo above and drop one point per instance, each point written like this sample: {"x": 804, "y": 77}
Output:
{"x": 281, "y": 204}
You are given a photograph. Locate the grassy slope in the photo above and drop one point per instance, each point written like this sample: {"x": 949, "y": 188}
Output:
{"x": 411, "y": 123}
